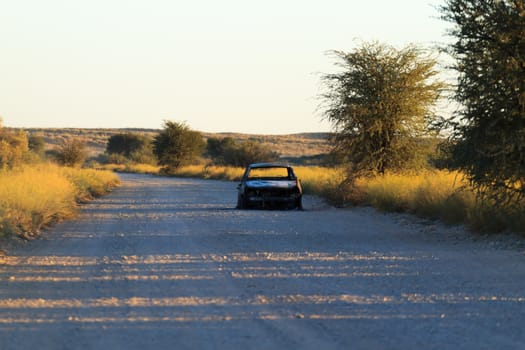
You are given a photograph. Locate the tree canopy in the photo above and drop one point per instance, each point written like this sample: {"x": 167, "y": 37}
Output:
{"x": 127, "y": 143}
{"x": 131, "y": 147}
{"x": 177, "y": 145}
{"x": 488, "y": 142}
{"x": 380, "y": 102}
{"x": 227, "y": 151}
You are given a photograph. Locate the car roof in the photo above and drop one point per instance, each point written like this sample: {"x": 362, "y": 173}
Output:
{"x": 268, "y": 165}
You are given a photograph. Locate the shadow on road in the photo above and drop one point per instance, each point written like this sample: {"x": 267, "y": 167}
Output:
{"x": 165, "y": 265}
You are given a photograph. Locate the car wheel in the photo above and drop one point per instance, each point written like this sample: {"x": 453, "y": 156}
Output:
{"x": 241, "y": 202}
{"x": 300, "y": 203}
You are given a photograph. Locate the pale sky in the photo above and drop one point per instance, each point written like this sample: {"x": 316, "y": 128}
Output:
{"x": 220, "y": 65}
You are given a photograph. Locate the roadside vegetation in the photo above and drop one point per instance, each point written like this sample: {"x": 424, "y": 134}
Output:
{"x": 433, "y": 194}
{"x": 382, "y": 103}
{"x": 35, "y": 192}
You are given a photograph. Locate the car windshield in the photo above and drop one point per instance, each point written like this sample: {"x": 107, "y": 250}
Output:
{"x": 269, "y": 172}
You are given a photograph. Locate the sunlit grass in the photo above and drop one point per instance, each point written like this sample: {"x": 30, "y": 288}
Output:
{"x": 434, "y": 194}
{"x": 91, "y": 183}
{"x": 34, "y": 196}
{"x": 209, "y": 172}
{"x": 142, "y": 168}
{"x": 268, "y": 172}
{"x": 319, "y": 180}
{"x": 131, "y": 168}
{"x": 111, "y": 167}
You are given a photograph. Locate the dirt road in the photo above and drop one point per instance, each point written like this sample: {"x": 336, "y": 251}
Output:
{"x": 169, "y": 264}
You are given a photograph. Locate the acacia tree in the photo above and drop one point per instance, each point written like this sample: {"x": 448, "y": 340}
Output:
{"x": 126, "y": 144}
{"x": 380, "y": 102}
{"x": 216, "y": 148}
{"x": 489, "y": 132}
{"x": 177, "y": 145}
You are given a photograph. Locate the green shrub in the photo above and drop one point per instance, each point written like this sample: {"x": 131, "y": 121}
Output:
{"x": 177, "y": 145}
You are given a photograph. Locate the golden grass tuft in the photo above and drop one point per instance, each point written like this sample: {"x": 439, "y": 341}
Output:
{"x": 90, "y": 183}
{"x": 29, "y": 198}
{"x": 142, "y": 168}
{"x": 434, "y": 194}
{"x": 131, "y": 168}
{"x": 214, "y": 172}
{"x": 322, "y": 181}
{"x": 35, "y": 196}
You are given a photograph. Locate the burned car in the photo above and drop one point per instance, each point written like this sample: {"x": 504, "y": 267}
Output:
{"x": 269, "y": 185}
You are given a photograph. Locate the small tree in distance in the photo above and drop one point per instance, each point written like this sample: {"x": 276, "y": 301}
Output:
{"x": 216, "y": 148}
{"x": 380, "y": 102}
{"x": 72, "y": 153}
{"x": 227, "y": 151}
{"x": 125, "y": 144}
{"x": 37, "y": 145}
{"x": 131, "y": 147}
{"x": 177, "y": 145}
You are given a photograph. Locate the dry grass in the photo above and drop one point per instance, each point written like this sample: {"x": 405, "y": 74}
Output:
{"x": 320, "y": 181}
{"x": 293, "y": 145}
{"x": 439, "y": 195}
{"x": 209, "y": 172}
{"x": 131, "y": 168}
{"x": 434, "y": 194}
{"x": 35, "y": 196}
{"x": 90, "y": 183}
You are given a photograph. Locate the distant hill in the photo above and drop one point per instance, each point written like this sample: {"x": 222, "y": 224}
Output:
{"x": 293, "y": 146}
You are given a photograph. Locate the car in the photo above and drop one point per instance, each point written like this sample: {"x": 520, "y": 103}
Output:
{"x": 269, "y": 186}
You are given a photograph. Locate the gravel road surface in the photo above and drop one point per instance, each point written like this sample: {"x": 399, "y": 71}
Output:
{"x": 166, "y": 263}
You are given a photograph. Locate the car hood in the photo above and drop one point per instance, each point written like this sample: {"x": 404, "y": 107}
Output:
{"x": 271, "y": 183}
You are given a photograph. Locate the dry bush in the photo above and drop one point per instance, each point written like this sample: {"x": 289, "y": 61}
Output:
{"x": 72, "y": 153}
{"x": 14, "y": 148}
